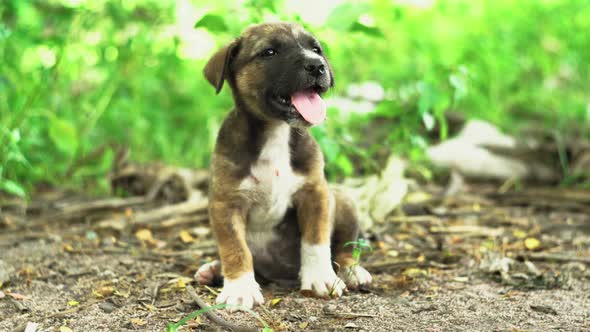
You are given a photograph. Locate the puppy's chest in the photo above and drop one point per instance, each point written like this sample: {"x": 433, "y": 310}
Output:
{"x": 272, "y": 182}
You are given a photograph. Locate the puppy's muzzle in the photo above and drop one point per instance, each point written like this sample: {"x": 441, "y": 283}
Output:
{"x": 315, "y": 67}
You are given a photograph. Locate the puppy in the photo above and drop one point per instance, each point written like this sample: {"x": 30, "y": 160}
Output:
{"x": 270, "y": 206}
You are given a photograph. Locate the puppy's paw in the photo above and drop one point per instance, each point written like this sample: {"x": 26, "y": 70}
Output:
{"x": 243, "y": 291}
{"x": 317, "y": 275}
{"x": 208, "y": 272}
{"x": 355, "y": 276}
{"x": 322, "y": 283}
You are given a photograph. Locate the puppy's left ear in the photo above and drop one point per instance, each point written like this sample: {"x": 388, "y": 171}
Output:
{"x": 217, "y": 70}
{"x": 331, "y": 74}
{"x": 330, "y": 71}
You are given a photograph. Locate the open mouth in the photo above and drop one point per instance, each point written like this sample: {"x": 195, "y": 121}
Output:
{"x": 308, "y": 103}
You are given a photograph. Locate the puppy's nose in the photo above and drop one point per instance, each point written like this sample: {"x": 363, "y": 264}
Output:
{"x": 315, "y": 67}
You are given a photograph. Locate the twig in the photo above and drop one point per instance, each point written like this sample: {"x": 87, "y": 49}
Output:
{"x": 386, "y": 265}
{"x": 108, "y": 203}
{"x": 214, "y": 317}
{"x": 554, "y": 257}
{"x": 181, "y": 220}
{"x": 414, "y": 219}
{"x": 349, "y": 315}
{"x": 152, "y": 216}
{"x": 469, "y": 230}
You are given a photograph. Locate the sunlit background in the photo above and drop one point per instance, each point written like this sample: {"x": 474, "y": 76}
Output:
{"x": 81, "y": 78}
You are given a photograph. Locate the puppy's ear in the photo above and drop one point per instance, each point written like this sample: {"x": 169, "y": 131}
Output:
{"x": 217, "y": 69}
{"x": 331, "y": 74}
{"x": 330, "y": 71}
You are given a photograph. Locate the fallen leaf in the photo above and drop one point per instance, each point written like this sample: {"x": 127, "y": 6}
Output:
{"x": 275, "y": 301}
{"x": 144, "y": 234}
{"x": 15, "y": 296}
{"x": 201, "y": 231}
{"x": 181, "y": 283}
{"x": 393, "y": 253}
{"x": 414, "y": 272}
{"x": 138, "y": 322}
{"x": 520, "y": 234}
{"x": 68, "y": 248}
{"x": 303, "y": 325}
{"x": 532, "y": 243}
{"x": 103, "y": 291}
{"x": 351, "y": 326}
{"x": 186, "y": 237}
{"x": 73, "y": 303}
{"x": 461, "y": 279}
{"x": 65, "y": 329}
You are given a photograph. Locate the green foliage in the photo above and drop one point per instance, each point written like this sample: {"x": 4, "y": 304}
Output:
{"x": 358, "y": 247}
{"x": 80, "y": 78}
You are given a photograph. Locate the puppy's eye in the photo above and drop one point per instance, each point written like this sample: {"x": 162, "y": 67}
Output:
{"x": 317, "y": 50}
{"x": 268, "y": 52}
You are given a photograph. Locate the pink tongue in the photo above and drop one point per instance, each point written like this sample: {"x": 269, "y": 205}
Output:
{"x": 310, "y": 105}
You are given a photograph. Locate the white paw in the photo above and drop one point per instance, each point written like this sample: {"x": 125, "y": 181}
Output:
{"x": 316, "y": 272}
{"x": 243, "y": 291}
{"x": 355, "y": 276}
{"x": 207, "y": 272}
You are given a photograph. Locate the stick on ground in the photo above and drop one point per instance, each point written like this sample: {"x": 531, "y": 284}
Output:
{"x": 214, "y": 317}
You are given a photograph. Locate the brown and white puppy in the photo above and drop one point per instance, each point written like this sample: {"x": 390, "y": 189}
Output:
{"x": 270, "y": 207}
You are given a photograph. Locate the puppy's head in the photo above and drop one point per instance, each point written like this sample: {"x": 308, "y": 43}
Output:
{"x": 277, "y": 71}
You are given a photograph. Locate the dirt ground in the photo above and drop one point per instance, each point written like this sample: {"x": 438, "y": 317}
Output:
{"x": 483, "y": 260}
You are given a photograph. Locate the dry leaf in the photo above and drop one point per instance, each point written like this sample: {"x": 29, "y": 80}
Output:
{"x": 73, "y": 303}
{"x": 303, "y": 325}
{"x": 180, "y": 283}
{"x": 519, "y": 234}
{"x": 186, "y": 237}
{"x": 414, "y": 272}
{"x": 65, "y": 329}
{"x": 275, "y": 301}
{"x": 531, "y": 243}
{"x": 103, "y": 291}
{"x": 15, "y": 296}
{"x": 144, "y": 234}
{"x": 68, "y": 248}
{"x": 138, "y": 322}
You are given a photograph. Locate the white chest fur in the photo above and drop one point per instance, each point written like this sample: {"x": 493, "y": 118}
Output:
{"x": 272, "y": 184}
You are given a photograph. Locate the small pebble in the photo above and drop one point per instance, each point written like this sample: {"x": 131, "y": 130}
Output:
{"x": 330, "y": 308}
{"x": 107, "y": 307}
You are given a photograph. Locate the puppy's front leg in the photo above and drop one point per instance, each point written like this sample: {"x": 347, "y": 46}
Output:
{"x": 313, "y": 213}
{"x": 239, "y": 286}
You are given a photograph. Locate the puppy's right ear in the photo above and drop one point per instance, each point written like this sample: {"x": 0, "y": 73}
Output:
{"x": 218, "y": 68}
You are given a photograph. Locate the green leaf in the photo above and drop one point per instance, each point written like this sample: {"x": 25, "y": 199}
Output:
{"x": 344, "y": 16}
{"x": 13, "y": 188}
{"x": 367, "y": 30}
{"x": 212, "y": 22}
{"x": 64, "y": 135}
{"x": 345, "y": 165}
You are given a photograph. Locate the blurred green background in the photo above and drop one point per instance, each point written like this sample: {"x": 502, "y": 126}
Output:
{"x": 80, "y": 78}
